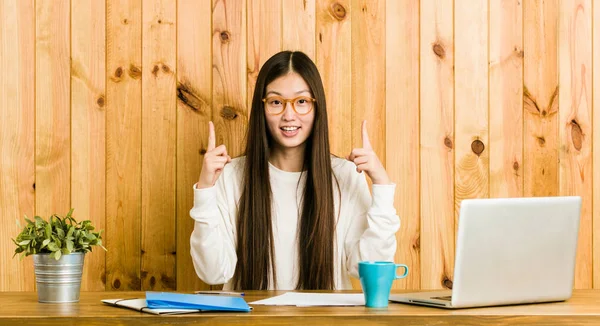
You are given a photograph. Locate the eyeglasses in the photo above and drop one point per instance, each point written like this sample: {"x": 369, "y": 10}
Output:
{"x": 276, "y": 104}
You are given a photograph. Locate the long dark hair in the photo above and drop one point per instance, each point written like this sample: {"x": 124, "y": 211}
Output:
{"x": 255, "y": 242}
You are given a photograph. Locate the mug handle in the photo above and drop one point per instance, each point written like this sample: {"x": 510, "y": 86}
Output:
{"x": 405, "y": 271}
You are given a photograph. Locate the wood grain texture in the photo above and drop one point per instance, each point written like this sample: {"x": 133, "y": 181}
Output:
{"x": 575, "y": 122}
{"x": 17, "y": 134}
{"x": 123, "y": 144}
{"x": 368, "y": 77}
{"x": 88, "y": 114}
{"x": 436, "y": 240}
{"x": 471, "y": 102}
{"x": 402, "y": 112}
{"x": 194, "y": 96}
{"x": 52, "y": 108}
{"x": 506, "y": 98}
{"x": 368, "y": 73}
{"x": 159, "y": 139}
{"x": 299, "y": 27}
{"x": 581, "y": 309}
{"x": 333, "y": 52}
{"x": 540, "y": 98}
{"x": 230, "y": 112}
{"x": 596, "y": 144}
{"x": 264, "y": 38}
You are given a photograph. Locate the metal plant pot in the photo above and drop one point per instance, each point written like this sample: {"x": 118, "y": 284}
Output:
{"x": 58, "y": 281}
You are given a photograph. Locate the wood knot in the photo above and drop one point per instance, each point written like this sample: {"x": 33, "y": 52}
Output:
{"x": 518, "y": 52}
{"x": 135, "y": 72}
{"x": 417, "y": 244}
{"x": 448, "y": 142}
{"x": 438, "y": 49}
{"x": 202, "y": 151}
{"x": 225, "y": 36}
{"x": 544, "y": 113}
{"x": 166, "y": 69}
{"x": 477, "y": 147}
{"x": 119, "y": 72}
{"x": 152, "y": 281}
{"x": 34, "y": 186}
{"x": 516, "y": 166}
{"x": 576, "y": 135}
{"x": 117, "y": 284}
{"x": 228, "y": 113}
{"x": 541, "y": 141}
{"x": 168, "y": 282}
{"x": 337, "y": 11}
{"x": 100, "y": 101}
{"x": 160, "y": 21}
{"x": 125, "y": 21}
{"x": 155, "y": 70}
{"x": 187, "y": 96}
{"x": 144, "y": 274}
{"x": 447, "y": 283}
{"x": 320, "y": 37}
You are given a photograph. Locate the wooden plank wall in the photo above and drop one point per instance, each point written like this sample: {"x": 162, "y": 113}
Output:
{"x": 105, "y": 106}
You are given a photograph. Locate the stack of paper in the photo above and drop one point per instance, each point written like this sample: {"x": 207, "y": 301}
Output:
{"x": 178, "y": 303}
{"x": 196, "y": 301}
{"x": 142, "y": 306}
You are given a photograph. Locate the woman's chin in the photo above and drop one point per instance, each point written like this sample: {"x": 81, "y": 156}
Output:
{"x": 290, "y": 143}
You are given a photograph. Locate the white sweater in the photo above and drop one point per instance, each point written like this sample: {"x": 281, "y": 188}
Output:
{"x": 365, "y": 230}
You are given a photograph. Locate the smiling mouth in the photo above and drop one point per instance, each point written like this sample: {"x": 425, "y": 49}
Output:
{"x": 289, "y": 128}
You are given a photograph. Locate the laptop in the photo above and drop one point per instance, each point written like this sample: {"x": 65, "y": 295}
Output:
{"x": 510, "y": 251}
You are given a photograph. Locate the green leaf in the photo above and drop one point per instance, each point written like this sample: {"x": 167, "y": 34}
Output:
{"x": 70, "y": 233}
{"x": 60, "y": 233}
{"x": 69, "y": 246}
{"x": 24, "y": 242}
{"x": 45, "y": 243}
{"x": 39, "y": 222}
{"x": 53, "y": 247}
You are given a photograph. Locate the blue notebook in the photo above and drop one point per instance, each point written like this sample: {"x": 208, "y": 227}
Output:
{"x": 205, "y": 302}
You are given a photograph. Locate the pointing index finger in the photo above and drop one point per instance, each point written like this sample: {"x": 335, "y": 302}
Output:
{"x": 365, "y": 136}
{"x": 211, "y": 136}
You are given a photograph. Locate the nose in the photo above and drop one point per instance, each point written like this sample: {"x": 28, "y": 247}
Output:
{"x": 288, "y": 112}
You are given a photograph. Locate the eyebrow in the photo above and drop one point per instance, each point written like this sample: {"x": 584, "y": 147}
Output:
{"x": 298, "y": 92}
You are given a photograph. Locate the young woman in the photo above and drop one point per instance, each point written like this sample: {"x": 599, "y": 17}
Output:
{"x": 289, "y": 215}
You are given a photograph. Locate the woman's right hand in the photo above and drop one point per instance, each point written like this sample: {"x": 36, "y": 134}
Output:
{"x": 215, "y": 160}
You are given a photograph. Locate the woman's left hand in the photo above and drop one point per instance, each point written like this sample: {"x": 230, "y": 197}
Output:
{"x": 366, "y": 160}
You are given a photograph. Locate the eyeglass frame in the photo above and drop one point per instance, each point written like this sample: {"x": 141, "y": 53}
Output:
{"x": 291, "y": 101}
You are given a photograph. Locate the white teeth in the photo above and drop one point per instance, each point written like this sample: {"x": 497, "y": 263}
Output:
{"x": 289, "y": 128}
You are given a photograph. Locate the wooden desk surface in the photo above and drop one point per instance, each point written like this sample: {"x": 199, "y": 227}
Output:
{"x": 22, "y": 308}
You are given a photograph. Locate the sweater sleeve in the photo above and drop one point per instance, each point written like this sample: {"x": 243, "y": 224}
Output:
{"x": 212, "y": 243}
{"x": 372, "y": 231}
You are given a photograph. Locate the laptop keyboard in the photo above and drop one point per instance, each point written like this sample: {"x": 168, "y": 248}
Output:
{"x": 447, "y": 298}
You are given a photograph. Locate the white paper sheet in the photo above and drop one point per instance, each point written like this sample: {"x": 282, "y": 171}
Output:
{"x": 141, "y": 305}
{"x": 314, "y": 299}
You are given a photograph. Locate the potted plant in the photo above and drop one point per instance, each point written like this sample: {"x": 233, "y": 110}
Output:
{"x": 58, "y": 246}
